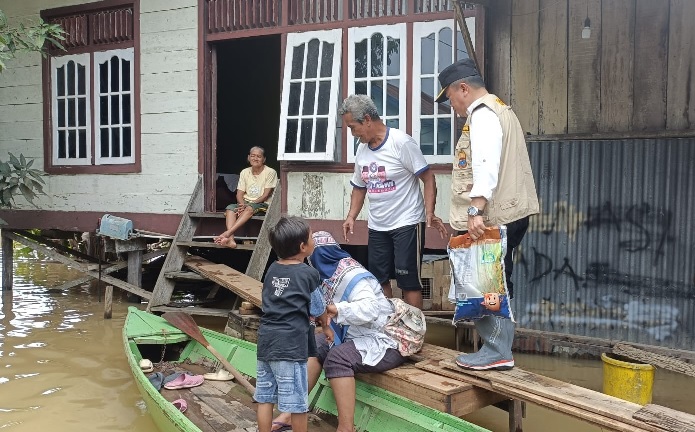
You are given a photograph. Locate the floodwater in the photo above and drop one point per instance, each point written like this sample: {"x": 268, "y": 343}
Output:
{"x": 62, "y": 365}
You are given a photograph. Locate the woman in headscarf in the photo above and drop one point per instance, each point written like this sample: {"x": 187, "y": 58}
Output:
{"x": 360, "y": 310}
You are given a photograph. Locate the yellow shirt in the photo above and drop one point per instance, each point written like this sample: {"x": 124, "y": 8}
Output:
{"x": 254, "y": 185}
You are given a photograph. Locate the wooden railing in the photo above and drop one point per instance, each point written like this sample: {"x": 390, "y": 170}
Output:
{"x": 314, "y": 11}
{"x": 360, "y": 9}
{"x": 233, "y": 15}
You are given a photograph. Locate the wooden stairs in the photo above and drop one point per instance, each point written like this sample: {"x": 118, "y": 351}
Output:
{"x": 179, "y": 265}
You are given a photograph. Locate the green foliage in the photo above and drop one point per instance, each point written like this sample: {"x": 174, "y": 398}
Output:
{"x": 26, "y": 38}
{"x": 17, "y": 176}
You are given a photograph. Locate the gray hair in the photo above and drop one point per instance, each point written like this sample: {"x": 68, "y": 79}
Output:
{"x": 259, "y": 148}
{"x": 359, "y": 105}
{"x": 475, "y": 81}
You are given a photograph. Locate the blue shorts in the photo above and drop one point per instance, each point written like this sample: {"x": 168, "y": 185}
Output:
{"x": 284, "y": 383}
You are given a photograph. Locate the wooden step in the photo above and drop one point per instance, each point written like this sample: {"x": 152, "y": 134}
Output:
{"x": 214, "y": 245}
{"x": 184, "y": 275}
{"x": 201, "y": 311}
{"x": 216, "y": 215}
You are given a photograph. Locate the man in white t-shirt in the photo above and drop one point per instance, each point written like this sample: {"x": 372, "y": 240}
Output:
{"x": 388, "y": 165}
{"x": 256, "y": 185}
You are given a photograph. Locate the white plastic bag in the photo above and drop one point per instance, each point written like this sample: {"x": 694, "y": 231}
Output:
{"x": 478, "y": 282}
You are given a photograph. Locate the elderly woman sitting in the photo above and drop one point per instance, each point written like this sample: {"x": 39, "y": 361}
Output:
{"x": 360, "y": 310}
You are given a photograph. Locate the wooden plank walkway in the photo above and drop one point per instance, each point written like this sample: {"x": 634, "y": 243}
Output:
{"x": 434, "y": 380}
{"x": 244, "y": 286}
{"x": 594, "y": 407}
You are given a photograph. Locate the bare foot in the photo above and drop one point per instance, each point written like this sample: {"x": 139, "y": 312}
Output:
{"x": 229, "y": 242}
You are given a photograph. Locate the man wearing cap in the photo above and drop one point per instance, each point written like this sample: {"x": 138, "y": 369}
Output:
{"x": 491, "y": 184}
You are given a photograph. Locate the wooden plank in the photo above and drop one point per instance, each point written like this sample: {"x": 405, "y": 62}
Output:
{"x": 217, "y": 215}
{"x": 261, "y": 252}
{"x": 584, "y": 68}
{"x": 666, "y": 418}
{"x": 520, "y": 394}
{"x": 680, "y": 100}
{"x": 524, "y": 63}
{"x": 79, "y": 266}
{"x": 651, "y": 60}
{"x": 518, "y": 383}
{"x": 581, "y": 414}
{"x": 193, "y": 311}
{"x": 552, "y": 68}
{"x": 472, "y": 400}
{"x": 244, "y": 286}
{"x": 109, "y": 269}
{"x": 169, "y": 20}
{"x": 660, "y": 361}
{"x": 499, "y": 55}
{"x": 166, "y": 82}
{"x": 212, "y": 245}
{"x": 617, "y": 59}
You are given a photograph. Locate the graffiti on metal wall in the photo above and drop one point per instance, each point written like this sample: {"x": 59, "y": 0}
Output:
{"x": 610, "y": 274}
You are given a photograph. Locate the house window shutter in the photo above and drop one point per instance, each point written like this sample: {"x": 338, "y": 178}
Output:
{"x": 435, "y": 126}
{"x": 310, "y": 96}
{"x": 113, "y": 107}
{"x": 377, "y": 56}
{"x": 71, "y": 119}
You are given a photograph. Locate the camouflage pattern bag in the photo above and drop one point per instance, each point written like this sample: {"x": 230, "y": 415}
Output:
{"x": 406, "y": 326}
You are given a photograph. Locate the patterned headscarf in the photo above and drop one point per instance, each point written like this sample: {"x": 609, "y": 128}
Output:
{"x": 339, "y": 271}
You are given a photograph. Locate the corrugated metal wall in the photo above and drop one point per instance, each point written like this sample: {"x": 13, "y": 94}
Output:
{"x": 611, "y": 254}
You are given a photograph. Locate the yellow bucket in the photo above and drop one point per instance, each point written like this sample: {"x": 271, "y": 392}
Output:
{"x": 625, "y": 380}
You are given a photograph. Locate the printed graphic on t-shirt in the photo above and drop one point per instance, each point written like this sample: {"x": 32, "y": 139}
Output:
{"x": 375, "y": 177}
{"x": 280, "y": 284}
{"x": 254, "y": 190}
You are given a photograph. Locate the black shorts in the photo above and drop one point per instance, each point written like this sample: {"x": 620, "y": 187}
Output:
{"x": 397, "y": 254}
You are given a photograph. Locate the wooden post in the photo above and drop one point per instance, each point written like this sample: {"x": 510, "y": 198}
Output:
{"x": 108, "y": 302}
{"x": 516, "y": 413}
{"x": 7, "y": 260}
{"x": 135, "y": 272}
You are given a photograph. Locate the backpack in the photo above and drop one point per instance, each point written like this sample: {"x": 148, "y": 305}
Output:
{"x": 406, "y": 325}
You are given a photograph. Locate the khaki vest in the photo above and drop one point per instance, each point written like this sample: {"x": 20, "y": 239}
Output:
{"x": 515, "y": 196}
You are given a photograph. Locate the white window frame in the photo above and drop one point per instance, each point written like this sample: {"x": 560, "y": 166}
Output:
{"x": 293, "y": 40}
{"x": 56, "y": 63}
{"x": 99, "y": 58}
{"x": 420, "y": 30}
{"x": 357, "y": 34}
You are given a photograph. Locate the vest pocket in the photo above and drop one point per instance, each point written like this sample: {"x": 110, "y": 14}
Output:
{"x": 509, "y": 203}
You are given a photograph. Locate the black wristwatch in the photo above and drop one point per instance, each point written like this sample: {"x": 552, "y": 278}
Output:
{"x": 474, "y": 211}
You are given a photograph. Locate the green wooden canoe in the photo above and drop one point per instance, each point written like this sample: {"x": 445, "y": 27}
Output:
{"x": 146, "y": 336}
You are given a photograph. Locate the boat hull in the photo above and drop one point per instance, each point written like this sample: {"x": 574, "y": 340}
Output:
{"x": 376, "y": 409}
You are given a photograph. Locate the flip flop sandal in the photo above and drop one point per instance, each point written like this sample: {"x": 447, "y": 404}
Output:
{"x": 283, "y": 427}
{"x": 184, "y": 381}
{"x": 220, "y": 375}
{"x": 181, "y": 405}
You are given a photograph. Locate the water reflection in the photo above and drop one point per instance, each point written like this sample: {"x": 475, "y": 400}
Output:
{"x": 62, "y": 365}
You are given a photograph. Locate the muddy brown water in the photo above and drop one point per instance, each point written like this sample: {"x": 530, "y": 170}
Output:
{"x": 62, "y": 366}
